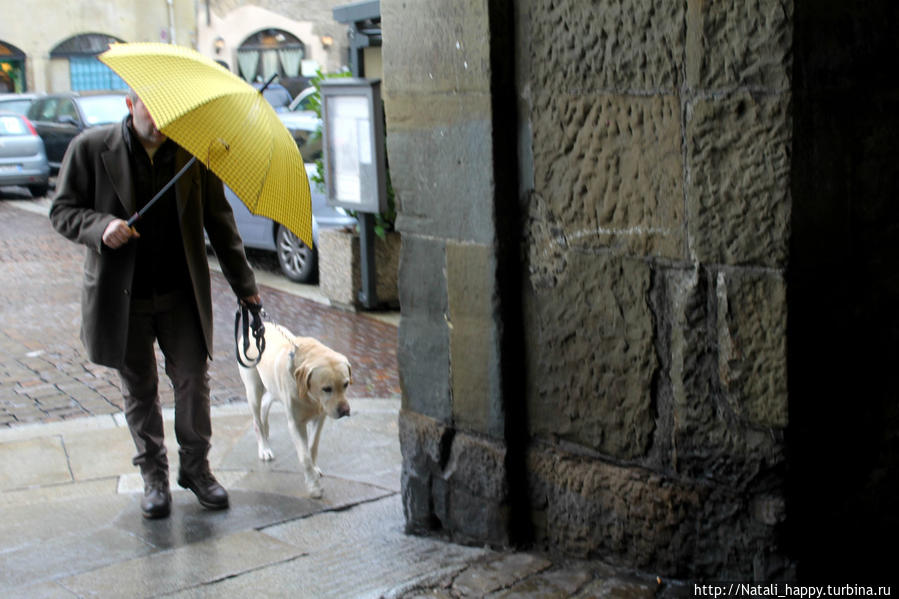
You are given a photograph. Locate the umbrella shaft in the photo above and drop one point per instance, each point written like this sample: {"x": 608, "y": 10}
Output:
{"x": 161, "y": 192}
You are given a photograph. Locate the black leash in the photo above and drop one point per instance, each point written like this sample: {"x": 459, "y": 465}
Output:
{"x": 242, "y": 324}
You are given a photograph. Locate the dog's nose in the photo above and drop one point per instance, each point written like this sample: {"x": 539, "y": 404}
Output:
{"x": 343, "y": 410}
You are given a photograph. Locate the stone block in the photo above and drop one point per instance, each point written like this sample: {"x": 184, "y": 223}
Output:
{"x": 423, "y": 345}
{"x": 455, "y": 56}
{"x": 424, "y": 366}
{"x": 610, "y": 169}
{"x": 738, "y": 191}
{"x": 717, "y": 435}
{"x": 495, "y": 576}
{"x": 593, "y": 508}
{"x": 446, "y": 187}
{"x": 739, "y": 44}
{"x": 453, "y": 482}
{"x": 40, "y": 461}
{"x": 470, "y": 273}
{"x": 583, "y": 47}
{"x": 669, "y": 526}
{"x": 594, "y": 372}
{"x": 752, "y": 345}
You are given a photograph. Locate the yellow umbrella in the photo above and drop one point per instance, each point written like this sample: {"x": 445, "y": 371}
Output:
{"x": 224, "y": 122}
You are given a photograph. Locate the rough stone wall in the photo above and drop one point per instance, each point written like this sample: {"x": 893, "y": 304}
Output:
{"x": 653, "y": 173}
{"x": 655, "y": 302}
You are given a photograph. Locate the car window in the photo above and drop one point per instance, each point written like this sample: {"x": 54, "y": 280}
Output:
{"x": 99, "y": 110}
{"x": 12, "y": 125}
{"x": 309, "y": 143}
{"x": 43, "y": 110}
{"x": 20, "y": 106}
{"x": 67, "y": 108}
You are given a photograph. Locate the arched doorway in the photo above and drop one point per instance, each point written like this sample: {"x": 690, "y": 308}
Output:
{"x": 12, "y": 69}
{"x": 86, "y": 72}
{"x": 269, "y": 52}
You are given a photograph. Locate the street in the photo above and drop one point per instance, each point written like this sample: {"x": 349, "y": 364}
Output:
{"x": 43, "y": 370}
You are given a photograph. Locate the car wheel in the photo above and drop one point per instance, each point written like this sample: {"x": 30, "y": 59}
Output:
{"x": 298, "y": 261}
{"x": 38, "y": 191}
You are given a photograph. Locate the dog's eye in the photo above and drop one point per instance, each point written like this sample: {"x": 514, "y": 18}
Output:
{"x": 327, "y": 389}
{"x": 346, "y": 384}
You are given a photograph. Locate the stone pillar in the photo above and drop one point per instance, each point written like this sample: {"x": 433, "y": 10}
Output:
{"x": 438, "y": 77}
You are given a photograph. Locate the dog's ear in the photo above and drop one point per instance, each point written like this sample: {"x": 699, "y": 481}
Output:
{"x": 302, "y": 375}
{"x": 350, "y": 371}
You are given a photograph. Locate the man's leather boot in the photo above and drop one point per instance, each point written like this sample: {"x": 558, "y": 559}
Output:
{"x": 157, "y": 500}
{"x": 209, "y": 492}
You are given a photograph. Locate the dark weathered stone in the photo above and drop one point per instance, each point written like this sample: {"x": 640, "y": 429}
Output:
{"x": 579, "y": 47}
{"x": 611, "y": 171}
{"x": 673, "y": 526}
{"x": 733, "y": 44}
{"x": 453, "y": 482}
{"x": 595, "y": 357}
{"x": 738, "y": 196}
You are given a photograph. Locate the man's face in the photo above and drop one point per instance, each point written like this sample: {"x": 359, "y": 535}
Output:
{"x": 143, "y": 123}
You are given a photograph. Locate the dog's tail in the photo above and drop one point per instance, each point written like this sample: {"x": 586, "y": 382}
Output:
{"x": 242, "y": 333}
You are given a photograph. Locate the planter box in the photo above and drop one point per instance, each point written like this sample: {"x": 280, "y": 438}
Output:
{"x": 340, "y": 271}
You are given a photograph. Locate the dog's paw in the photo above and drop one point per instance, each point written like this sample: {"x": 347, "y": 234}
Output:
{"x": 318, "y": 472}
{"x": 315, "y": 491}
{"x": 266, "y": 454}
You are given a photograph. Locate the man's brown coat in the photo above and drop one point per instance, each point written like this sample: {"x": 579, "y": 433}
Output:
{"x": 95, "y": 185}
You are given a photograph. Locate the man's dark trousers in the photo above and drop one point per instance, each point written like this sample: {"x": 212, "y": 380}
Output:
{"x": 170, "y": 319}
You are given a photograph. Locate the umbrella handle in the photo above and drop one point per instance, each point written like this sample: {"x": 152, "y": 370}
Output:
{"x": 270, "y": 79}
{"x": 161, "y": 192}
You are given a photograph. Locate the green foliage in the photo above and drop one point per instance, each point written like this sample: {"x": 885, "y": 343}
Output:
{"x": 384, "y": 221}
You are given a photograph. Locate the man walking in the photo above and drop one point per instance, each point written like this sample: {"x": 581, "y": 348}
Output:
{"x": 151, "y": 284}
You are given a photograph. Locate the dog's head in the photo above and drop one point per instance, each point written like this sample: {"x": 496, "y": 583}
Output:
{"x": 324, "y": 379}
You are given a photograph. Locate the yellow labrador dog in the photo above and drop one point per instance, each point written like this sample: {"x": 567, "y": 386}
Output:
{"x": 310, "y": 380}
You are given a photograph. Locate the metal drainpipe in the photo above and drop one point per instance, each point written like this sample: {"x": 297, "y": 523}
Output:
{"x": 171, "y": 21}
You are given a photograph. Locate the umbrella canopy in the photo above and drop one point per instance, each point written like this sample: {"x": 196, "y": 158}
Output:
{"x": 225, "y": 123}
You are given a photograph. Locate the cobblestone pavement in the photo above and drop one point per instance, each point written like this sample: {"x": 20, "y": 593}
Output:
{"x": 45, "y": 376}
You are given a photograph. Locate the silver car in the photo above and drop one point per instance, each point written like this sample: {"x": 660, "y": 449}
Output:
{"x": 298, "y": 261}
{"x": 23, "y": 160}
{"x": 19, "y": 103}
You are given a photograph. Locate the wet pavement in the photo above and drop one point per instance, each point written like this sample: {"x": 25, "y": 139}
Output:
{"x": 70, "y": 523}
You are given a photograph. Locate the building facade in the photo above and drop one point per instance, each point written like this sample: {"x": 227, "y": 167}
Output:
{"x": 254, "y": 40}
{"x": 56, "y": 44}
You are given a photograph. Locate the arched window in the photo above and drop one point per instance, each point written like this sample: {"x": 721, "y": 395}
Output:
{"x": 269, "y": 52}
{"x": 86, "y": 72}
{"x": 12, "y": 69}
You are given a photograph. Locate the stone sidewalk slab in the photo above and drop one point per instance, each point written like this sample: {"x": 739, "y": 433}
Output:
{"x": 186, "y": 567}
{"x": 32, "y": 462}
{"x": 69, "y": 499}
{"x": 358, "y": 553}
